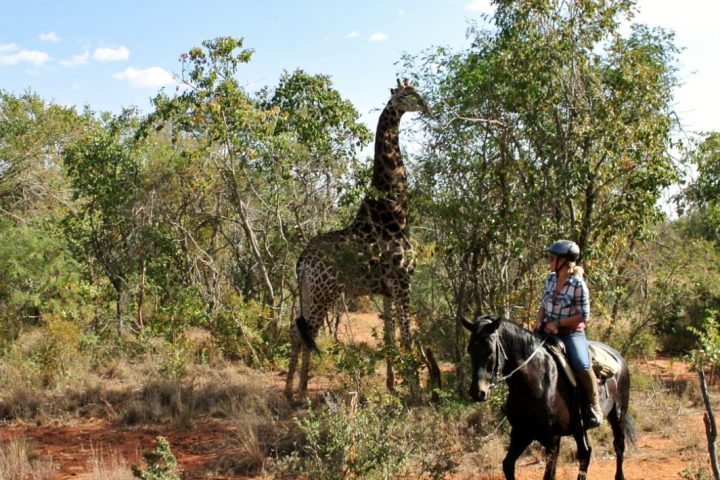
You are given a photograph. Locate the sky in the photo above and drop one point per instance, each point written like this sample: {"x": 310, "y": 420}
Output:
{"x": 109, "y": 54}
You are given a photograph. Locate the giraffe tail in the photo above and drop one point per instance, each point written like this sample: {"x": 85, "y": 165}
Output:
{"x": 305, "y": 332}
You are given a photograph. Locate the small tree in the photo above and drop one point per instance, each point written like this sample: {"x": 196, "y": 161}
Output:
{"x": 161, "y": 463}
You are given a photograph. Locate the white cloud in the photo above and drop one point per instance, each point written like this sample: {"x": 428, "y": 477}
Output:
{"x": 378, "y": 37}
{"x": 8, "y": 47}
{"x": 49, "y": 37}
{"x": 75, "y": 60}
{"x": 111, "y": 54}
{"x": 352, "y": 34}
{"x": 479, "y": 6}
{"x": 35, "y": 57}
{"x": 153, "y": 77}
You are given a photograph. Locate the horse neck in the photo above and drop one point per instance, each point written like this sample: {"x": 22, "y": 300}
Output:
{"x": 519, "y": 345}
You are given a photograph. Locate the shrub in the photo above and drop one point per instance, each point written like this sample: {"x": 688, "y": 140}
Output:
{"x": 161, "y": 463}
{"x": 351, "y": 440}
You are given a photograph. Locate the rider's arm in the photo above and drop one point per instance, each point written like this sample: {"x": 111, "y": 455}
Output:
{"x": 539, "y": 317}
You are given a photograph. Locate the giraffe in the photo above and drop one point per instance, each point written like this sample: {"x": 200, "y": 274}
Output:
{"x": 373, "y": 255}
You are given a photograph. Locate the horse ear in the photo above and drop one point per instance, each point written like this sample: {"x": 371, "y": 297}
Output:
{"x": 470, "y": 326}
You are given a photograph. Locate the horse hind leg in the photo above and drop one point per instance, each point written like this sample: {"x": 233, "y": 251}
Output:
{"x": 617, "y": 421}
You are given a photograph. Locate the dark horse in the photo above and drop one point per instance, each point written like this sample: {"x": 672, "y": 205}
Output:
{"x": 542, "y": 405}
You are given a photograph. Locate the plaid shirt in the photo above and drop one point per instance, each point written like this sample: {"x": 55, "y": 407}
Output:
{"x": 574, "y": 298}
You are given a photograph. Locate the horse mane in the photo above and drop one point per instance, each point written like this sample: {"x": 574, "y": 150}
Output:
{"x": 518, "y": 341}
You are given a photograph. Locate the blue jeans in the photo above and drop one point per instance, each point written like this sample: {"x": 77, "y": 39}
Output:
{"x": 576, "y": 345}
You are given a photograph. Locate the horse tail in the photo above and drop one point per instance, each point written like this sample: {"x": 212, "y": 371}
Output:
{"x": 305, "y": 332}
{"x": 628, "y": 427}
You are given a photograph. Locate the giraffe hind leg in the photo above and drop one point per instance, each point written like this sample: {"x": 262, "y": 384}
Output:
{"x": 295, "y": 348}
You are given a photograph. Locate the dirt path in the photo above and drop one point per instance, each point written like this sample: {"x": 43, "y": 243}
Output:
{"x": 660, "y": 454}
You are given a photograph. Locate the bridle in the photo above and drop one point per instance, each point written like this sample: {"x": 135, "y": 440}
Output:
{"x": 499, "y": 365}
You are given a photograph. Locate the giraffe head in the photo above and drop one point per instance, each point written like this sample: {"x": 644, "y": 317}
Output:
{"x": 406, "y": 99}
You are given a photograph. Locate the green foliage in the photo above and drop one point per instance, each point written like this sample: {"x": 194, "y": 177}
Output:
{"x": 359, "y": 440}
{"x": 161, "y": 463}
{"x": 33, "y": 135}
{"x": 240, "y": 331}
{"x": 708, "y": 335}
{"x": 673, "y": 295}
{"x": 38, "y": 278}
{"x": 277, "y": 161}
{"x": 553, "y": 124}
{"x": 359, "y": 362}
{"x": 701, "y": 196}
{"x": 110, "y": 224}
{"x": 696, "y": 472}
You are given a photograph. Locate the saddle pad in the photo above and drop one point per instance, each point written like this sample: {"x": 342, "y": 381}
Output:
{"x": 603, "y": 361}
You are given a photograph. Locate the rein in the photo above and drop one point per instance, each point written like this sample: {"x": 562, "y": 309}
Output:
{"x": 500, "y": 349}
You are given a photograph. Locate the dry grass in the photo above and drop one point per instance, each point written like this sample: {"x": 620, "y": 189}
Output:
{"x": 17, "y": 463}
{"x": 108, "y": 466}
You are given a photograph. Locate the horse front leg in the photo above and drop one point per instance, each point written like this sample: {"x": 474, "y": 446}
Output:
{"x": 584, "y": 450}
{"x": 616, "y": 422}
{"x": 519, "y": 441}
{"x": 552, "y": 452}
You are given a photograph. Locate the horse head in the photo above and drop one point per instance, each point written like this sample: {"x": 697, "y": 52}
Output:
{"x": 485, "y": 357}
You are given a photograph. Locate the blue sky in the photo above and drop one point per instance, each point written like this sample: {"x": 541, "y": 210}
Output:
{"x": 109, "y": 54}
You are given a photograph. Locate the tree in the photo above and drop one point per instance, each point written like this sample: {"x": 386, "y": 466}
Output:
{"x": 278, "y": 156}
{"x": 551, "y": 125}
{"x": 110, "y": 224}
{"x": 39, "y": 279}
{"x": 33, "y": 135}
{"x": 702, "y": 196}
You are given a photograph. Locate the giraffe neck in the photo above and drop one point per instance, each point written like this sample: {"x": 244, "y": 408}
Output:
{"x": 389, "y": 175}
{"x": 383, "y": 212}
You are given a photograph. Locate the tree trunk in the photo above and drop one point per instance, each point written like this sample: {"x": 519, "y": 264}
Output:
{"x": 710, "y": 426}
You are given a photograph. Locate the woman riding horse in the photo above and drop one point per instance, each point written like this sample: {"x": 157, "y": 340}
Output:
{"x": 542, "y": 404}
{"x": 564, "y": 311}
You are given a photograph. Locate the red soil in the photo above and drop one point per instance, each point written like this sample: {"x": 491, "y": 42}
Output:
{"x": 658, "y": 456}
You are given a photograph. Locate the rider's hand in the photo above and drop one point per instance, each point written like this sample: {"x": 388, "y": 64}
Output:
{"x": 551, "y": 327}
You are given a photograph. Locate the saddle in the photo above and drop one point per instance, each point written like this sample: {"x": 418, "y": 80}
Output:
{"x": 603, "y": 361}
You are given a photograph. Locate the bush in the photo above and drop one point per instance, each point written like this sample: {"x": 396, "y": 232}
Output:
{"x": 351, "y": 440}
{"x": 161, "y": 463}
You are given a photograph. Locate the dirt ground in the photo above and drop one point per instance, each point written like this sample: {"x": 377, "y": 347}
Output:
{"x": 659, "y": 454}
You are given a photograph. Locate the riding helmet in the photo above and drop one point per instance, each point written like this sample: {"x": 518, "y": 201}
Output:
{"x": 566, "y": 249}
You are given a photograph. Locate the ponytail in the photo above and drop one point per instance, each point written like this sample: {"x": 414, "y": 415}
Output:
{"x": 576, "y": 270}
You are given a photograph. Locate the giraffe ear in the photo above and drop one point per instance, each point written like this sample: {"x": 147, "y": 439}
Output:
{"x": 406, "y": 82}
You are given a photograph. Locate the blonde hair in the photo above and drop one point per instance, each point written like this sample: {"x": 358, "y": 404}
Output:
{"x": 576, "y": 270}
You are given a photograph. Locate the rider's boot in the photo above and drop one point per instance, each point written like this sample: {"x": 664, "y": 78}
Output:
{"x": 589, "y": 382}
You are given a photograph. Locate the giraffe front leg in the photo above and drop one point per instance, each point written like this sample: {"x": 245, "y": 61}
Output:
{"x": 402, "y": 312}
{"x": 304, "y": 372}
{"x": 389, "y": 338}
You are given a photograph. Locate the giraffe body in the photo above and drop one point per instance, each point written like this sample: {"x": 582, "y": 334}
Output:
{"x": 373, "y": 255}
